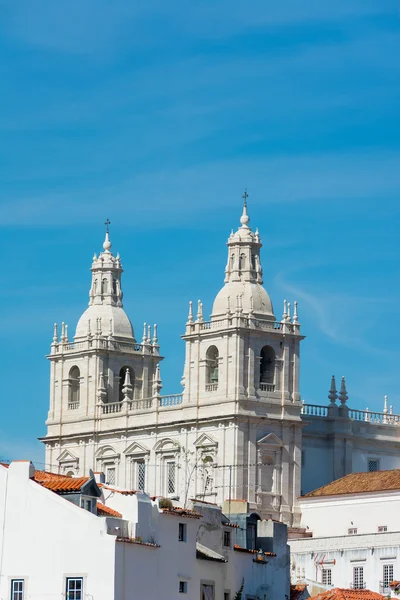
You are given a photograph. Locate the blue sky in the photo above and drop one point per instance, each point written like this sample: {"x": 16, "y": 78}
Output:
{"x": 158, "y": 115}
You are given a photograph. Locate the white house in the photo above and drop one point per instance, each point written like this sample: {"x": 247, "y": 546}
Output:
{"x": 351, "y": 533}
{"x": 78, "y": 538}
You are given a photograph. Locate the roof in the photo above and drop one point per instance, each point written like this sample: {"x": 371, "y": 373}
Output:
{"x": 138, "y": 542}
{"x": 181, "y": 512}
{"x": 249, "y": 551}
{"x": 297, "y": 590}
{"x": 358, "y": 483}
{"x": 106, "y": 511}
{"x": 205, "y": 553}
{"x": 59, "y": 483}
{"x": 111, "y": 489}
{"x": 343, "y": 594}
{"x": 230, "y": 524}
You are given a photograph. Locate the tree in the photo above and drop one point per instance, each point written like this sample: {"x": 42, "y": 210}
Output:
{"x": 239, "y": 592}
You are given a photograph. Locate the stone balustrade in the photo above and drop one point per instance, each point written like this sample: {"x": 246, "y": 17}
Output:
{"x": 128, "y": 406}
{"x": 267, "y": 387}
{"x": 100, "y": 343}
{"x": 240, "y": 320}
{"x": 366, "y": 416}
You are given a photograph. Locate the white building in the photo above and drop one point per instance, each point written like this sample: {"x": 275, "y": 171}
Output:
{"x": 76, "y": 538}
{"x": 355, "y": 527}
{"x": 234, "y": 431}
{"x": 238, "y": 429}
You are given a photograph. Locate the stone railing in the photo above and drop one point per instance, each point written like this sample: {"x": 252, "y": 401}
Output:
{"x": 211, "y": 387}
{"x": 314, "y": 410}
{"x": 366, "y": 416}
{"x": 267, "y": 387}
{"x": 239, "y": 320}
{"x": 101, "y": 343}
{"x": 172, "y": 400}
{"x": 73, "y": 405}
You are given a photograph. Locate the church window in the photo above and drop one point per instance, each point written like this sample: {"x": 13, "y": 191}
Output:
{"x": 212, "y": 368}
{"x": 110, "y": 475}
{"x": 122, "y": 375}
{"x": 242, "y": 262}
{"x": 140, "y": 475}
{"x": 74, "y": 388}
{"x": 267, "y": 368}
{"x": 104, "y": 286}
{"x": 170, "y": 477}
{"x": 114, "y": 286}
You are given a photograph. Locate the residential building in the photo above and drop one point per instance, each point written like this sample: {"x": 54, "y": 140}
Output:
{"x": 80, "y": 538}
{"x": 350, "y": 536}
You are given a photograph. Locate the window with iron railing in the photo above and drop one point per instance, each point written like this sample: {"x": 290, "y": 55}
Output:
{"x": 327, "y": 576}
{"x": 358, "y": 578}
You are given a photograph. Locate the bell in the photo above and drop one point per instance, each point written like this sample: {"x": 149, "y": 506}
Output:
{"x": 214, "y": 376}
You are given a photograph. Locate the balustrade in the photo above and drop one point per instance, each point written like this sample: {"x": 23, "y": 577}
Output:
{"x": 211, "y": 387}
{"x": 314, "y": 410}
{"x": 267, "y": 387}
{"x": 171, "y": 400}
{"x": 73, "y": 405}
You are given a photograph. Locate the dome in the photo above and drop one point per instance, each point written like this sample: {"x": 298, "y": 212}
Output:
{"x": 121, "y": 325}
{"x": 260, "y": 305}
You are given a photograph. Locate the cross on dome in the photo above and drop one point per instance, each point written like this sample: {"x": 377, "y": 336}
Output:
{"x": 107, "y": 244}
{"x": 245, "y": 219}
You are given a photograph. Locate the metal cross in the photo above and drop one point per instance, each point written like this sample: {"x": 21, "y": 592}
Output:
{"x": 245, "y": 196}
{"x": 107, "y": 223}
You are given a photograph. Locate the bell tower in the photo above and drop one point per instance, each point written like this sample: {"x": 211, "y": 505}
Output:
{"x": 99, "y": 377}
{"x": 245, "y": 363}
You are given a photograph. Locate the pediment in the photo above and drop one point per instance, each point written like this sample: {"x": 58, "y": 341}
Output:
{"x": 205, "y": 440}
{"x": 67, "y": 457}
{"x": 136, "y": 448}
{"x": 271, "y": 440}
{"x": 106, "y": 452}
{"x": 166, "y": 445}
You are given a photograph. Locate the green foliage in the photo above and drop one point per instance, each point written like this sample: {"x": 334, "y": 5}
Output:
{"x": 165, "y": 503}
{"x": 239, "y": 592}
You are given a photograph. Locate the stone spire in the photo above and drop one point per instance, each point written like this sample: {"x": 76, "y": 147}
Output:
{"x": 332, "y": 407}
{"x": 343, "y": 397}
{"x": 127, "y": 387}
{"x": 106, "y": 276}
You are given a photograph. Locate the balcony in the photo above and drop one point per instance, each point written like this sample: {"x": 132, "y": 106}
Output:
{"x": 267, "y": 387}
{"x": 360, "y": 585}
{"x": 211, "y": 387}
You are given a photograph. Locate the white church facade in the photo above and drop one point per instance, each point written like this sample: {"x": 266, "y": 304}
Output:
{"x": 237, "y": 432}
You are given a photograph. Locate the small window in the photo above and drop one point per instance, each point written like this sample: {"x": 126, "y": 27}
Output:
{"x": 352, "y": 531}
{"x": 387, "y": 576}
{"x": 227, "y": 538}
{"x": 382, "y": 528}
{"x": 110, "y": 475}
{"x": 182, "y": 532}
{"x": 327, "y": 576}
{"x": 227, "y": 596}
{"x": 17, "y": 589}
{"x": 183, "y": 587}
{"x": 373, "y": 465}
{"x": 141, "y": 475}
{"x": 87, "y": 504}
{"x": 74, "y": 588}
{"x": 171, "y": 477}
{"x": 358, "y": 578}
{"x": 207, "y": 592}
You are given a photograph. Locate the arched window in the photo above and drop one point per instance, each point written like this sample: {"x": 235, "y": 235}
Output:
{"x": 242, "y": 262}
{"x": 104, "y": 286}
{"x": 122, "y": 376}
{"x": 114, "y": 286}
{"x": 232, "y": 261}
{"x": 95, "y": 286}
{"x": 74, "y": 388}
{"x": 267, "y": 365}
{"x": 212, "y": 365}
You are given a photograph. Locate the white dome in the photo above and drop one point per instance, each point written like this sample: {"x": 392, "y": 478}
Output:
{"x": 121, "y": 325}
{"x": 261, "y": 306}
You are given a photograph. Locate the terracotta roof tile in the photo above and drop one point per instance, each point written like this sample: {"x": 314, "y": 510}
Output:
{"x": 106, "y": 511}
{"x": 297, "y": 590}
{"x": 59, "y": 483}
{"x": 358, "y": 483}
{"x": 139, "y": 542}
{"x": 111, "y": 489}
{"x": 343, "y": 594}
{"x": 230, "y": 524}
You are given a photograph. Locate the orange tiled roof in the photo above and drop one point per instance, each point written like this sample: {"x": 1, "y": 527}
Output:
{"x": 111, "y": 489}
{"x": 358, "y": 483}
{"x": 343, "y": 594}
{"x": 106, "y": 511}
{"x": 297, "y": 590}
{"x": 59, "y": 483}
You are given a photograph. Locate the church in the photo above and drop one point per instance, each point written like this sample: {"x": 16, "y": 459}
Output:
{"x": 237, "y": 433}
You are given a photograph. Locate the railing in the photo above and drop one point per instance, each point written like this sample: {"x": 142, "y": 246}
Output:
{"x": 241, "y": 321}
{"x": 267, "y": 387}
{"x": 140, "y": 404}
{"x": 314, "y": 410}
{"x": 361, "y": 585}
{"x": 73, "y": 405}
{"x": 172, "y": 400}
{"x": 374, "y": 417}
{"x": 384, "y": 589}
{"x": 112, "y": 407}
{"x": 211, "y": 387}
{"x": 100, "y": 343}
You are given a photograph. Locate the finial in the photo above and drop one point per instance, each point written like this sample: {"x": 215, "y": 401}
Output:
{"x": 66, "y": 333}
{"x": 284, "y": 316}
{"x": 155, "y": 337}
{"x": 157, "y": 381}
{"x": 244, "y": 219}
{"x": 63, "y": 332}
{"x": 288, "y": 311}
{"x": 385, "y": 404}
{"x": 144, "y": 338}
{"x": 200, "y": 317}
{"x": 107, "y": 244}
{"x": 127, "y": 387}
{"x": 343, "y": 396}
{"x": 333, "y": 392}
{"x": 102, "y": 390}
{"x": 55, "y": 334}
{"x": 295, "y": 315}
{"x": 111, "y": 328}
{"x": 190, "y": 316}
{"x": 149, "y": 334}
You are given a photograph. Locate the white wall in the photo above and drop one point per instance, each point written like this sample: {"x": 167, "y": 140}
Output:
{"x": 334, "y": 515}
{"x": 46, "y": 538}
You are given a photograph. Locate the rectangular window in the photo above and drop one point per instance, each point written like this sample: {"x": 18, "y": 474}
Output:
{"x": 387, "y": 575}
{"x": 227, "y": 538}
{"x": 183, "y": 587}
{"x": 74, "y": 588}
{"x": 170, "y": 477}
{"x": 182, "y": 532}
{"x": 227, "y": 596}
{"x": 382, "y": 528}
{"x": 327, "y": 576}
{"x": 17, "y": 589}
{"x": 358, "y": 578}
{"x": 110, "y": 476}
{"x": 207, "y": 591}
{"x": 251, "y": 536}
{"x": 352, "y": 531}
{"x": 373, "y": 465}
{"x": 141, "y": 475}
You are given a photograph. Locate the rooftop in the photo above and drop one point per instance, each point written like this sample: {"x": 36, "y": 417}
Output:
{"x": 106, "y": 511}
{"x": 59, "y": 483}
{"x": 343, "y": 594}
{"x": 358, "y": 483}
